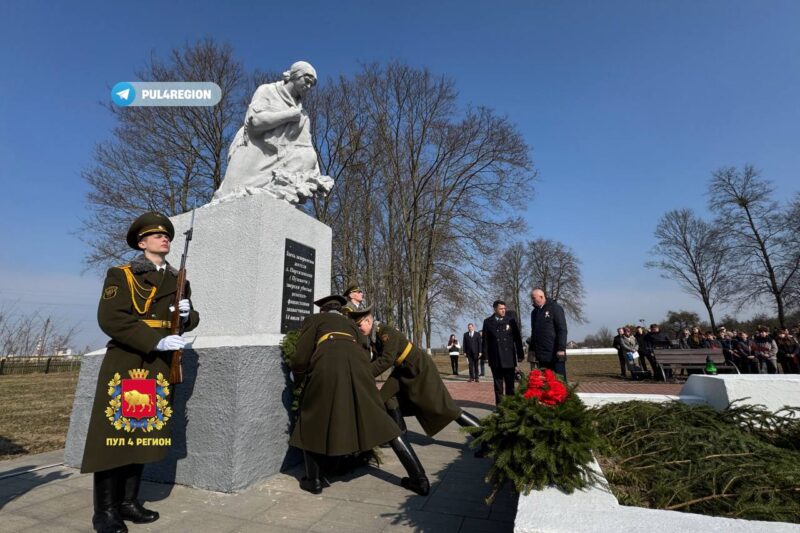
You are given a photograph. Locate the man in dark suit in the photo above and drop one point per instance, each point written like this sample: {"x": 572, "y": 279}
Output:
{"x": 549, "y": 333}
{"x": 502, "y": 345}
{"x": 472, "y": 349}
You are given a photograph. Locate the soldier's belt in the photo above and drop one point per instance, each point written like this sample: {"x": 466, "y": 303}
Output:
{"x": 403, "y": 355}
{"x": 158, "y": 323}
{"x": 335, "y": 335}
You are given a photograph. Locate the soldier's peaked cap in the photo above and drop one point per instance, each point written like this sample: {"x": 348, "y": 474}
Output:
{"x": 148, "y": 224}
{"x": 353, "y": 287}
{"x": 332, "y": 298}
{"x": 359, "y": 315}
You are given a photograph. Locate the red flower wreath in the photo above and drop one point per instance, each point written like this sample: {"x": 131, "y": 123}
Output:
{"x": 546, "y": 388}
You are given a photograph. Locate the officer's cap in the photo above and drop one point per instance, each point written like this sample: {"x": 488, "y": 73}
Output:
{"x": 329, "y": 299}
{"x": 353, "y": 287}
{"x": 148, "y": 224}
{"x": 359, "y": 315}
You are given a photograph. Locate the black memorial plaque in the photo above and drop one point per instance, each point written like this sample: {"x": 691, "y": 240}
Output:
{"x": 298, "y": 285}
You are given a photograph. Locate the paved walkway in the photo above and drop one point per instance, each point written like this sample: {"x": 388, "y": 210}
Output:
{"x": 59, "y": 499}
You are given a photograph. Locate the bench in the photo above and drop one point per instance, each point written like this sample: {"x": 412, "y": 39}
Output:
{"x": 667, "y": 358}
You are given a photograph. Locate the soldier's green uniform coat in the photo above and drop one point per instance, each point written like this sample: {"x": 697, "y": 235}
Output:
{"x": 131, "y": 346}
{"x": 341, "y": 411}
{"x": 416, "y": 381}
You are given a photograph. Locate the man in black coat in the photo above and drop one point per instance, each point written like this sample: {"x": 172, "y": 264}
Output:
{"x": 654, "y": 339}
{"x": 502, "y": 345}
{"x": 549, "y": 333}
{"x": 472, "y": 349}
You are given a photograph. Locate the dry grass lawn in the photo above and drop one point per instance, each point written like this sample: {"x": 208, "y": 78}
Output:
{"x": 35, "y": 413}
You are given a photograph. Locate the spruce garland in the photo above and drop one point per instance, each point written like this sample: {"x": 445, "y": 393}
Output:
{"x": 288, "y": 346}
{"x": 743, "y": 462}
{"x": 535, "y": 444}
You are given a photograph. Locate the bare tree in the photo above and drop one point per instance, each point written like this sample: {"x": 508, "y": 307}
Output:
{"x": 555, "y": 269}
{"x": 29, "y": 334}
{"x": 421, "y": 188}
{"x": 510, "y": 279}
{"x": 766, "y": 262}
{"x": 604, "y": 338}
{"x": 696, "y": 255}
{"x": 791, "y": 241}
{"x": 162, "y": 158}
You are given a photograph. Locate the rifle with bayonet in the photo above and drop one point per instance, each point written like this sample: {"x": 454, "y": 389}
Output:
{"x": 177, "y": 326}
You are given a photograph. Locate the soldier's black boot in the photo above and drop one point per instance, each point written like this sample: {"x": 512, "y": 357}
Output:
{"x": 467, "y": 420}
{"x": 311, "y": 482}
{"x": 130, "y": 508}
{"x": 106, "y": 517}
{"x": 397, "y": 416}
{"x": 416, "y": 481}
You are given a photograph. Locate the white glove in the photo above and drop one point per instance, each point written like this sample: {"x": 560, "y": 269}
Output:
{"x": 184, "y": 307}
{"x": 170, "y": 343}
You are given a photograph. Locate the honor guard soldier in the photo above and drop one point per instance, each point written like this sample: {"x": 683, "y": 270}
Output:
{"x": 414, "y": 381}
{"x": 355, "y": 298}
{"x": 129, "y": 423}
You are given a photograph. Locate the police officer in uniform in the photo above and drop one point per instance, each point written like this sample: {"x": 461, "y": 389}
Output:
{"x": 135, "y": 311}
{"x": 341, "y": 412}
{"x": 415, "y": 381}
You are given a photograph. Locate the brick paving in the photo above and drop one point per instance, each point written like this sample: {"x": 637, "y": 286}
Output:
{"x": 483, "y": 391}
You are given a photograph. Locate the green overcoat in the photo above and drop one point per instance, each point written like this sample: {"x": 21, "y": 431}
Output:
{"x": 416, "y": 381}
{"x": 122, "y": 317}
{"x": 341, "y": 411}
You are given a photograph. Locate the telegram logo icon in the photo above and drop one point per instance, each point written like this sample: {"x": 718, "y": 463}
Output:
{"x": 123, "y": 93}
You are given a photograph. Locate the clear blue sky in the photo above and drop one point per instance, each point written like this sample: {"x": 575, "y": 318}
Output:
{"x": 628, "y": 105}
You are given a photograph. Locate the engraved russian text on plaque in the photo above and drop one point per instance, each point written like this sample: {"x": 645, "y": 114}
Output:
{"x": 298, "y": 285}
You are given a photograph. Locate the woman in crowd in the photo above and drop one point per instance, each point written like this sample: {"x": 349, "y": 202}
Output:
{"x": 696, "y": 340}
{"x": 454, "y": 350}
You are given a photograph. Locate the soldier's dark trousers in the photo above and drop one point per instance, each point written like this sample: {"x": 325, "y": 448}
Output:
{"x": 130, "y": 479}
{"x": 503, "y": 379}
{"x": 312, "y": 481}
{"x": 467, "y": 420}
{"x": 416, "y": 481}
{"x": 107, "y": 497}
{"x": 397, "y": 416}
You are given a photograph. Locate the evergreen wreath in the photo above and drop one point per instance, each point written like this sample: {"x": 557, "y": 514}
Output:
{"x": 540, "y": 436}
{"x": 288, "y": 346}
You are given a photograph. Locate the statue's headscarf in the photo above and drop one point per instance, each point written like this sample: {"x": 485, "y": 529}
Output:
{"x": 298, "y": 69}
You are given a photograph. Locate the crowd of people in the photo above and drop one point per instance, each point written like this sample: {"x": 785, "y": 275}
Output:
{"x": 763, "y": 352}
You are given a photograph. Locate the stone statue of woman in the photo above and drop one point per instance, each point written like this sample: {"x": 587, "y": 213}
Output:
{"x": 272, "y": 152}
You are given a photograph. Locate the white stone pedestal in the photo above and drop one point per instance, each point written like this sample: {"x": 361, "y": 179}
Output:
{"x": 231, "y": 414}
{"x": 774, "y": 391}
{"x": 235, "y": 266}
